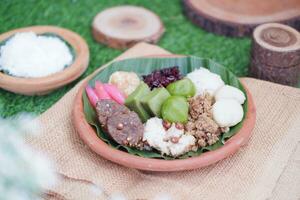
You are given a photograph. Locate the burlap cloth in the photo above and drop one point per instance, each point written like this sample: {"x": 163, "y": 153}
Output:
{"x": 267, "y": 168}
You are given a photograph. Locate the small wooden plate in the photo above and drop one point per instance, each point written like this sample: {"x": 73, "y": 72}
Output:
{"x": 44, "y": 85}
{"x": 89, "y": 136}
{"x": 124, "y": 26}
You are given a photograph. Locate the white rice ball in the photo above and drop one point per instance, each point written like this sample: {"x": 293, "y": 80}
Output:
{"x": 227, "y": 112}
{"x": 205, "y": 81}
{"x": 230, "y": 92}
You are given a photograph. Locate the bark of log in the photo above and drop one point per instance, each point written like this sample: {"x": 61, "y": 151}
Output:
{"x": 275, "y": 58}
{"x": 276, "y": 54}
{"x": 238, "y": 19}
{"x": 283, "y": 75}
{"x": 123, "y": 26}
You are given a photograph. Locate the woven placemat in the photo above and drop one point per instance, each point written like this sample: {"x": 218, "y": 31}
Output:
{"x": 252, "y": 173}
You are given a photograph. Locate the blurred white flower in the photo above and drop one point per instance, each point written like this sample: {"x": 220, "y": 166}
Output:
{"x": 162, "y": 196}
{"x": 23, "y": 172}
{"x": 28, "y": 123}
{"x": 117, "y": 196}
{"x": 96, "y": 190}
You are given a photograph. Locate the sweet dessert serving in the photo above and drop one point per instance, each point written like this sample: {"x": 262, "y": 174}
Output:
{"x": 169, "y": 112}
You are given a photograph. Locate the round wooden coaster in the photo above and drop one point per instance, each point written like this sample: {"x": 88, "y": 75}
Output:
{"x": 239, "y": 18}
{"x": 276, "y": 54}
{"x": 123, "y": 26}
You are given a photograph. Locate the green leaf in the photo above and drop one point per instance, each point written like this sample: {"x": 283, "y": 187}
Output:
{"x": 147, "y": 154}
{"x": 143, "y": 66}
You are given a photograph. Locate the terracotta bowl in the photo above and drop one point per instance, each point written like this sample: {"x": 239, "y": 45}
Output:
{"x": 44, "y": 85}
{"x": 89, "y": 136}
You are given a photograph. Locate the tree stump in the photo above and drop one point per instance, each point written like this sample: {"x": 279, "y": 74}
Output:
{"x": 124, "y": 26}
{"x": 239, "y": 18}
{"x": 276, "y": 54}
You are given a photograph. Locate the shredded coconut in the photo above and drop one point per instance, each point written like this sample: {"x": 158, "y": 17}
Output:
{"x": 29, "y": 55}
{"x": 161, "y": 139}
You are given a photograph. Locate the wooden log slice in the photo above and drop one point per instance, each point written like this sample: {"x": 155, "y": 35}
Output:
{"x": 239, "y": 18}
{"x": 276, "y": 54}
{"x": 283, "y": 75}
{"x": 124, "y": 26}
{"x": 276, "y": 45}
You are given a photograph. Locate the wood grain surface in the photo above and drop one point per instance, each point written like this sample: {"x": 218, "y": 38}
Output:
{"x": 124, "y": 26}
{"x": 239, "y": 18}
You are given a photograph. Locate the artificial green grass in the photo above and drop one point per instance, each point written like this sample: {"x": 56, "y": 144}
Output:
{"x": 181, "y": 37}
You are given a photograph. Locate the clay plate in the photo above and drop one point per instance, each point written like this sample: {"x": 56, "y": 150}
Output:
{"x": 44, "y": 85}
{"x": 89, "y": 136}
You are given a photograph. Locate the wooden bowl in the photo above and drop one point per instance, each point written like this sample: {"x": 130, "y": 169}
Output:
{"x": 89, "y": 136}
{"x": 44, "y": 85}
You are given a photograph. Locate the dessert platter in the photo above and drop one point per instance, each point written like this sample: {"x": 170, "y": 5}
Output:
{"x": 164, "y": 113}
